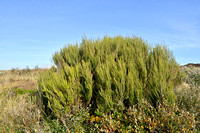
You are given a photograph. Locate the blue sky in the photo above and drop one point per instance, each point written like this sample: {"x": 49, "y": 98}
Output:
{"x": 32, "y": 30}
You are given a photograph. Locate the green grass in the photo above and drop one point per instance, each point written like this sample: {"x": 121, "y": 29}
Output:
{"x": 21, "y": 91}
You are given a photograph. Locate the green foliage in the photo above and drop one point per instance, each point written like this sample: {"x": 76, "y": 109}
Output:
{"x": 75, "y": 120}
{"x": 163, "y": 73}
{"x": 109, "y": 72}
{"x": 145, "y": 118}
{"x": 20, "y": 91}
{"x": 60, "y": 93}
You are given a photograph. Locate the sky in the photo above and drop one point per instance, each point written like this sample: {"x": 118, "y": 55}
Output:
{"x": 31, "y": 31}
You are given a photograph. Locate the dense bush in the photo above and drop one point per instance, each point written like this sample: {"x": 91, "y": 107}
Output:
{"x": 145, "y": 118}
{"x": 188, "y": 93}
{"x": 107, "y": 73}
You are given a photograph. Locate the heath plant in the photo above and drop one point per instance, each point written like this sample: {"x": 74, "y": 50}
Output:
{"x": 107, "y": 72}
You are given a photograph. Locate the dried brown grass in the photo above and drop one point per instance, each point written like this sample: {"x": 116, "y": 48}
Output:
{"x": 19, "y": 111}
{"x": 19, "y": 79}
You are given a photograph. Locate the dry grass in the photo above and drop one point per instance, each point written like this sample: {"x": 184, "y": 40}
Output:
{"x": 18, "y": 100}
{"x": 18, "y": 112}
{"x": 25, "y": 79}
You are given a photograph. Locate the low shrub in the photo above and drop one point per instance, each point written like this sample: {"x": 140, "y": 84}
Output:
{"x": 188, "y": 93}
{"x": 143, "y": 117}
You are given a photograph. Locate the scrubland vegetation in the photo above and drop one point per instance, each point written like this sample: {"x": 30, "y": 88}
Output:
{"x": 119, "y": 84}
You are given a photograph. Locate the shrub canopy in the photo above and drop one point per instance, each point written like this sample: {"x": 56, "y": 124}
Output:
{"x": 107, "y": 73}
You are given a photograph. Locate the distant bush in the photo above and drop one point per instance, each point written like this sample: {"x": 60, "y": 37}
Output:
{"x": 109, "y": 72}
{"x": 26, "y": 70}
{"x": 37, "y": 67}
{"x": 18, "y": 71}
{"x": 14, "y": 70}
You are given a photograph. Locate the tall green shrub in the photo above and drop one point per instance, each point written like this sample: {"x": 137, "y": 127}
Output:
{"x": 163, "y": 73}
{"x": 109, "y": 72}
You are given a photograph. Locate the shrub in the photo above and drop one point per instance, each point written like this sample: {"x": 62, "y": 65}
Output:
{"x": 145, "y": 118}
{"x": 75, "y": 120}
{"x": 109, "y": 72}
{"x": 37, "y": 67}
{"x": 188, "y": 93}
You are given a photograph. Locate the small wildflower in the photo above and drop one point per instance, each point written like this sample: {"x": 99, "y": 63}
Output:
{"x": 92, "y": 118}
{"x": 118, "y": 122}
{"x": 98, "y": 119}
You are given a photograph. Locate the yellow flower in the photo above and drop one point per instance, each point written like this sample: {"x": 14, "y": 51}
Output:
{"x": 92, "y": 118}
{"x": 118, "y": 122}
{"x": 98, "y": 119}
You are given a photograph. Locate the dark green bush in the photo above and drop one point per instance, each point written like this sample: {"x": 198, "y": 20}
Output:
{"x": 107, "y": 73}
